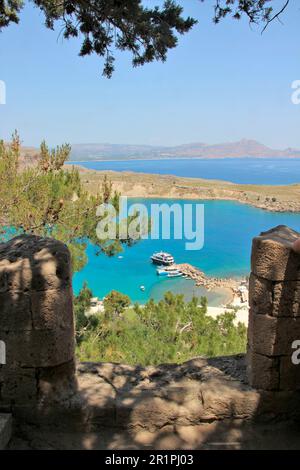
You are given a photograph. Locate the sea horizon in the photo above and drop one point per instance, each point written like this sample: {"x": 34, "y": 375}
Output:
{"x": 247, "y": 170}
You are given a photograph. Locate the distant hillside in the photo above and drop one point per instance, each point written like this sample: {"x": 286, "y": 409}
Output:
{"x": 29, "y": 156}
{"x": 242, "y": 149}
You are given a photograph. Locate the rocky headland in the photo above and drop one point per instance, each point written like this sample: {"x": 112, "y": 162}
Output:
{"x": 285, "y": 198}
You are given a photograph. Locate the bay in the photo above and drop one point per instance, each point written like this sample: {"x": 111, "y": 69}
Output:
{"x": 229, "y": 229}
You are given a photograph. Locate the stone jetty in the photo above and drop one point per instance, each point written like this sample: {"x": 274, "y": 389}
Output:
{"x": 201, "y": 279}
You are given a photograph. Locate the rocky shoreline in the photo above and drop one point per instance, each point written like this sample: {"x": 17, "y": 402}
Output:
{"x": 202, "y": 280}
{"x": 142, "y": 185}
{"x": 271, "y": 204}
{"x": 238, "y": 289}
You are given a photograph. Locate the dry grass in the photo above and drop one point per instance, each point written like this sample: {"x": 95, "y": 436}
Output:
{"x": 274, "y": 198}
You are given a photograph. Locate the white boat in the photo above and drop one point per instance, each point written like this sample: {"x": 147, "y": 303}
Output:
{"x": 169, "y": 272}
{"x": 175, "y": 274}
{"x": 142, "y": 288}
{"x": 162, "y": 258}
{"x": 162, "y": 272}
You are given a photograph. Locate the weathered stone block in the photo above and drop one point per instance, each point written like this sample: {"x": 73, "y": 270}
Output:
{"x": 31, "y": 262}
{"x": 52, "y": 309}
{"x": 273, "y": 257}
{"x": 223, "y": 401}
{"x": 286, "y": 299}
{"x": 272, "y": 336}
{"x": 56, "y": 383}
{"x": 15, "y": 313}
{"x": 262, "y": 333}
{"x": 145, "y": 410}
{"x": 279, "y": 405}
{"x": 18, "y": 385}
{"x": 39, "y": 348}
{"x": 280, "y": 299}
{"x": 289, "y": 374}
{"x": 36, "y": 321}
{"x": 274, "y": 320}
{"x": 51, "y": 272}
{"x": 260, "y": 295}
{"x": 15, "y": 275}
{"x": 263, "y": 372}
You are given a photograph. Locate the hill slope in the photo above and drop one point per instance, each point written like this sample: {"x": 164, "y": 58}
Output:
{"x": 242, "y": 149}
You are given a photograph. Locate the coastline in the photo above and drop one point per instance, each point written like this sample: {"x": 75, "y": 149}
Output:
{"x": 236, "y": 289}
{"x": 157, "y": 159}
{"x": 272, "y": 198}
{"x": 280, "y": 198}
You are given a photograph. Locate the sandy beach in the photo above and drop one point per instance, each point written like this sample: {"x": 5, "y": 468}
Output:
{"x": 241, "y": 311}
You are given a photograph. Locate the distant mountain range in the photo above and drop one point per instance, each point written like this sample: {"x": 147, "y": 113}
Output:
{"x": 28, "y": 156}
{"x": 242, "y": 149}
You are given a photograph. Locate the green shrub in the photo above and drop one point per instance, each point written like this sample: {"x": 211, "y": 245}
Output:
{"x": 171, "y": 330}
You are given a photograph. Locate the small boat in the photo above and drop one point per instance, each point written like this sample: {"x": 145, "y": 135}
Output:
{"x": 169, "y": 272}
{"x": 120, "y": 257}
{"x": 162, "y": 258}
{"x": 162, "y": 272}
{"x": 175, "y": 274}
{"x": 142, "y": 288}
{"x": 165, "y": 270}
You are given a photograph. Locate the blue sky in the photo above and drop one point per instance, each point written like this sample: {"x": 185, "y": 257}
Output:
{"x": 222, "y": 83}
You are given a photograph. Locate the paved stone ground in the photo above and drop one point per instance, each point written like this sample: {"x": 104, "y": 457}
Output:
{"x": 203, "y": 403}
{"x": 225, "y": 435}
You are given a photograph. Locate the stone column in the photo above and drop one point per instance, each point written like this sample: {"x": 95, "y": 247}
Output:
{"x": 36, "y": 321}
{"x": 274, "y": 321}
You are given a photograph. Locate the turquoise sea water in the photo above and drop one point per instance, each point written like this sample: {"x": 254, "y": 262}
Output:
{"x": 238, "y": 170}
{"x": 229, "y": 229}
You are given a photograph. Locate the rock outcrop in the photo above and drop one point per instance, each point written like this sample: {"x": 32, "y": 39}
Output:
{"x": 36, "y": 320}
{"x": 274, "y": 322}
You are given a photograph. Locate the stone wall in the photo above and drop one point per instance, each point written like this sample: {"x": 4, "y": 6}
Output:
{"x": 38, "y": 382}
{"x": 36, "y": 320}
{"x": 274, "y": 322}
